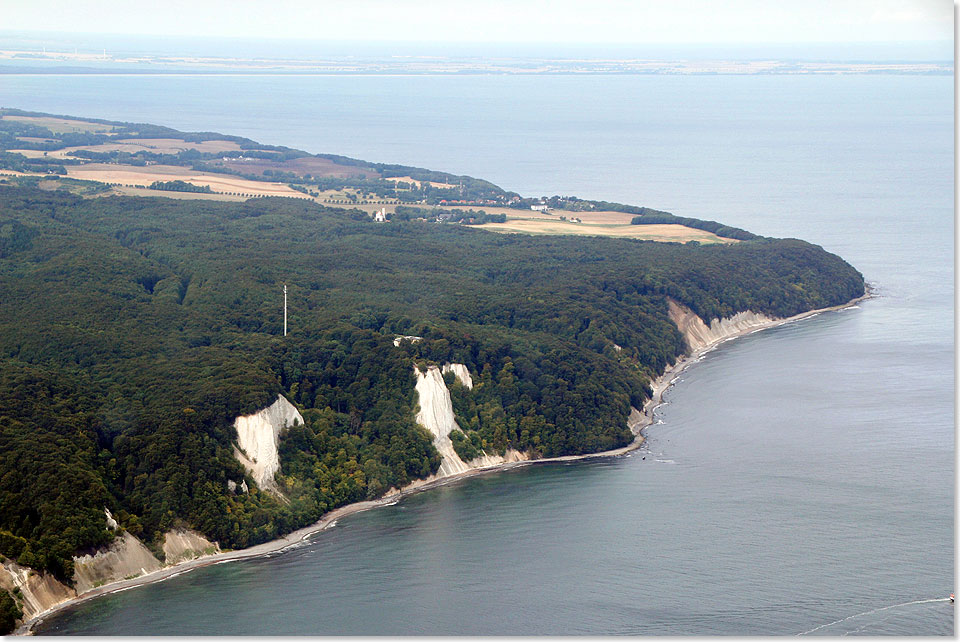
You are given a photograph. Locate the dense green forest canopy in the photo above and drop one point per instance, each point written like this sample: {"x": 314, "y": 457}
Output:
{"x": 134, "y": 330}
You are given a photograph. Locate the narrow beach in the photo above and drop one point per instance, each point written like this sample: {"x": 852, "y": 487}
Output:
{"x": 298, "y": 537}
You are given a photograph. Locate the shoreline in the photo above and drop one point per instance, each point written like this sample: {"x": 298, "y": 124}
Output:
{"x": 300, "y": 536}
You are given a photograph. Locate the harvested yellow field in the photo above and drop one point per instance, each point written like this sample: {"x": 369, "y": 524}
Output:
{"x": 407, "y": 179}
{"x": 143, "y": 191}
{"x": 174, "y": 145}
{"x": 606, "y": 217}
{"x": 602, "y": 217}
{"x": 36, "y": 153}
{"x": 665, "y": 232}
{"x": 61, "y": 125}
{"x": 617, "y": 218}
{"x": 134, "y": 145}
{"x": 143, "y": 176}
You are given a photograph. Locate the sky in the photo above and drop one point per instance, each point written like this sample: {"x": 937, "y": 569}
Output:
{"x": 639, "y": 22}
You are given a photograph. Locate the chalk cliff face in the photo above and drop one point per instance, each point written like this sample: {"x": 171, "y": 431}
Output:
{"x": 181, "y": 544}
{"x": 486, "y": 461}
{"x": 699, "y": 335}
{"x": 460, "y": 371}
{"x": 125, "y": 556}
{"x": 636, "y": 421}
{"x": 40, "y": 590}
{"x": 436, "y": 415}
{"x": 258, "y": 439}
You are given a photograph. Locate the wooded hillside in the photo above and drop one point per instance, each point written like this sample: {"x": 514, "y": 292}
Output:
{"x": 133, "y": 332}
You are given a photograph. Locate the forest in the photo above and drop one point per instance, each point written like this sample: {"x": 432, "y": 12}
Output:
{"x": 134, "y": 330}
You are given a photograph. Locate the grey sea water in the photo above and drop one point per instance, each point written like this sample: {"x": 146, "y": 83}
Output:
{"x": 800, "y": 479}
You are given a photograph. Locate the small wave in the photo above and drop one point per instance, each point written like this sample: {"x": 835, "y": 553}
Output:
{"x": 125, "y": 588}
{"x": 665, "y": 461}
{"x": 872, "y": 611}
{"x": 330, "y": 525}
{"x": 304, "y": 541}
{"x": 177, "y": 574}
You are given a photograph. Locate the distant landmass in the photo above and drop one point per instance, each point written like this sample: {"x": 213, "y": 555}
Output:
{"x": 63, "y": 61}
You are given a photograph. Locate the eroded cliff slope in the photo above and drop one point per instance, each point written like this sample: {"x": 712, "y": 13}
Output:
{"x": 699, "y": 335}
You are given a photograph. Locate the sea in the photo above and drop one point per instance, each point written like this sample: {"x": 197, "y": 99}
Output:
{"x": 800, "y": 480}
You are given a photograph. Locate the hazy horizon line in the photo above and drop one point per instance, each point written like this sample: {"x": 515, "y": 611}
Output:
{"x": 491, "y": 43}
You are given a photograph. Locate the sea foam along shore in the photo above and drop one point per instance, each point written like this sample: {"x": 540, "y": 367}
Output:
{"x": 298, "y": 537}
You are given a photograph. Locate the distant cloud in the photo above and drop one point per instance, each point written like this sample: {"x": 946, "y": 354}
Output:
{"x": 639, "y": 22}
{"x": 911, "y": 14}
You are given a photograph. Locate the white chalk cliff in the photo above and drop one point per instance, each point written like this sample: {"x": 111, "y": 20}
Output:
{"x": 258, "y": 438}
{"x": 699, "y": 335}
{"x": 40, "y": 590}
{"x": 183, "y": 544}
{"x": 436, "y": 415}
{"x": 460, "y": 372}
{"x": 125, "y": 556}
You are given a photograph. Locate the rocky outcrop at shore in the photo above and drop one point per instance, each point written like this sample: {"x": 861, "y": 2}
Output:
{"x": 258, "y": 440}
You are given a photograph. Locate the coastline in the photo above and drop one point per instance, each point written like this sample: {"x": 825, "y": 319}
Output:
{"x": 659, "y": 386}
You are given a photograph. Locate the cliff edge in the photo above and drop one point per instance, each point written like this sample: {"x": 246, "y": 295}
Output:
{"x": 699, "y": 335}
